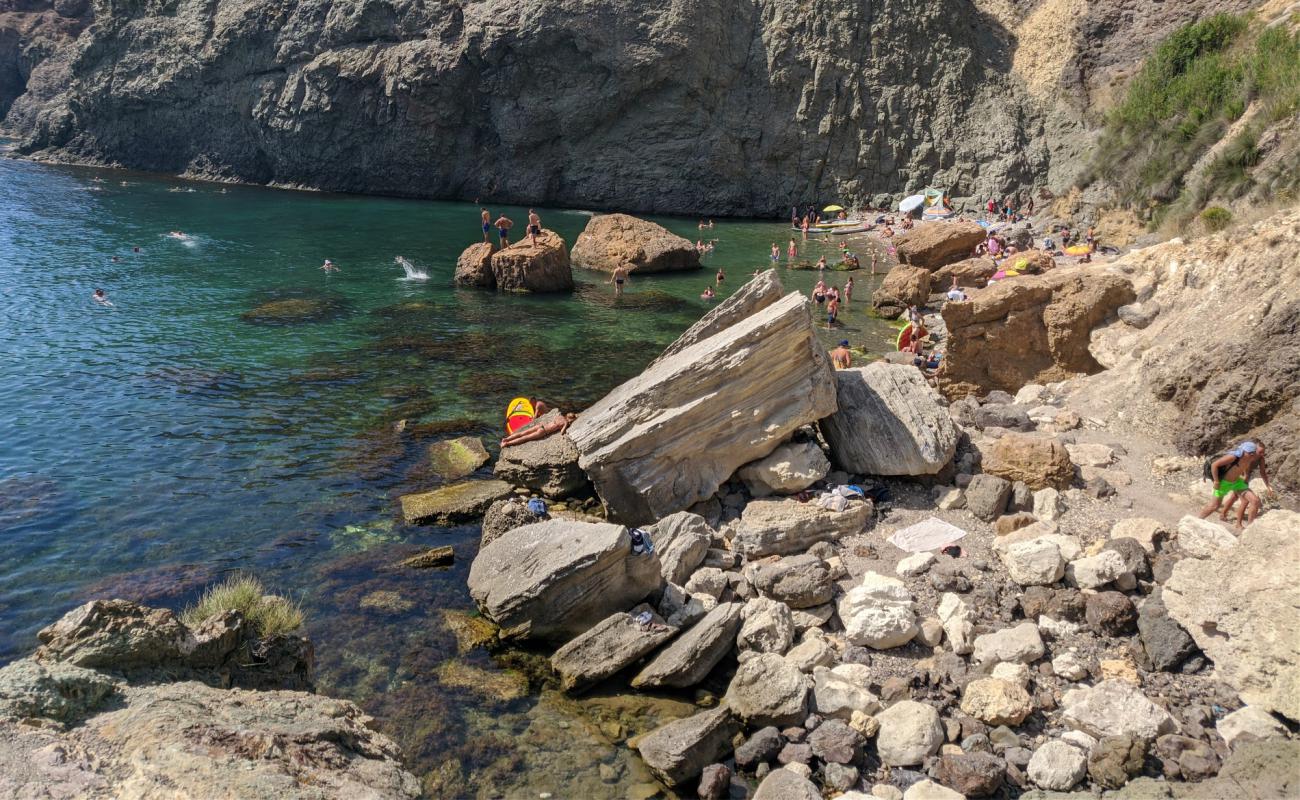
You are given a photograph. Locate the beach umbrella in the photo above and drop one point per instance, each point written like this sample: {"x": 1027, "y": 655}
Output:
{"x": 912, "y": 203}
{"x": 833, "y": 208}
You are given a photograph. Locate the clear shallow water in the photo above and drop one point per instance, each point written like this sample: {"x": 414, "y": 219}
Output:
{"x": 148, "y": 447}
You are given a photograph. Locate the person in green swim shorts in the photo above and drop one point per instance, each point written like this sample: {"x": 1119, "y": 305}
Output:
{"x": 1230, "y": 474}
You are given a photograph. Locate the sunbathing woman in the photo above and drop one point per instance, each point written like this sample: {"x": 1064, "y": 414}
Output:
{"x": 536, "y": 431}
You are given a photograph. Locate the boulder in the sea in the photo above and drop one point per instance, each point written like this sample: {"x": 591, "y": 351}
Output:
{"x": 903, "y": 286}
{"x": 294, "y": 310}
{"x": 474, "y": 267}
{"x": 1239, "y": 605}
{"x": 611, "y": 241}
{"x": 971, "y": 273}
{"x": 1034, "y": 329}
{"x": 889, "y": 422}
{"x": 671, "y": 436}
{"x": 453, "y": 459}
{"x": 528, "y": 267}
{"x": 610, "y": 645}
{"x": 757, "y": 294}
{"x": 1040, "y": 462}
{"x": 937, "y": 244}
{"x": 555, "y": 579}
{"x": 678, "y": 751}
{"x": 790, "y": 468}
{"x": 549, "y": 465}
{"x": 454, "y": 504}
{"x": 777, "y": 527}
{"x": 689, "y": 659}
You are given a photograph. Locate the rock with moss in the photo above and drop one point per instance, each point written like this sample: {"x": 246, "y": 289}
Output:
{"x": 452, "y": 505}
{"x": 31, "y": 689}
{"x": 453, "y": 459}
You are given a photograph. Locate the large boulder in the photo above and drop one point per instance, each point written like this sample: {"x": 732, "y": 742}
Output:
{"x": 778, "y": 527}
{"x": 889, "y": 422}
{"x": 1239, "y": 605}
{"x": 474, "y": 267}
{"x": 679, "y": 750}
{"x": 690, "y": 658}
{"x": 528, "y": 267}
{"x": 903, "y": 286}
{"x": 768, "y": 690}
{"x": 1034, "y": 329}
{"x": 555, "y": 579}
{"x": 612, "y": 644}
{"x": 937, "y": 244}
{"x": 760, "y": 292}
{"x": 549, "y": 465}
{"x": 971, "y": 273}
{"x": 670, "y": 437}
{"x": 1038, "y": 461}
{"x": 790, "y": 468}
{"x": 454, "y": 504}
{"x": 611, "y": 241}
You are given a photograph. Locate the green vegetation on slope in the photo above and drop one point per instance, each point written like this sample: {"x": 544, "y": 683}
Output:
{"x": 267, "y": 615}
{"x": 1184, "y": 100}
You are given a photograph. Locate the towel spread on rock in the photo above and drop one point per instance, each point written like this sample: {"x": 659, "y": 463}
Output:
{"x": 928, "y": 534}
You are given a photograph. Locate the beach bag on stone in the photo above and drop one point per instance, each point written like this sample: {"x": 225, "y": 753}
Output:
{"x": 641, "y": 543}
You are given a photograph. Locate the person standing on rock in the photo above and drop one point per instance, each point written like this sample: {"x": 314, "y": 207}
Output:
{"x": 1230, "y": 474}
{"x": 487, "y": 224}
{"x": 842, "y": 357}
{"x": 618, "y": 279}
{"x": 534, "y": 226}
{"x": 504, "y": 224}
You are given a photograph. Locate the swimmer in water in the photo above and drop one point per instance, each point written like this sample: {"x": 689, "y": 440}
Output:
{"x": 708, "y": 293}
{"x": 177, "y": 235}
{"x": 329, "y": 267}
{"x": 101, "y": 298}
{"x": 135, "y": 249}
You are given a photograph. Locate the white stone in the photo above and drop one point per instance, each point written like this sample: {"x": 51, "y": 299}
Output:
{"x": 802, "y": 770}
{"x": 811, "y": 652}
{"x": 790, "y": 468}
{"x": 1090, "y": 455}
{"x": 1068, "y": 666}
{"x": 914, "y": 564}
{"x": 1031, "y": 394}
{"x": 835, "y": 695}
{"x": 1057, "y": 628}
{"x": 1048, "y": 505}
{"x": 767, "y": 627}
{"x": 1080, "y": 740}
{"x": 1020, "y": 643}
{"x": 1037, "y": 562}
{"x": 1115, "y": 708}
{"x": 1200, "y": 538}
{"x": 958, "y": 626}
{"x": 1057, "y": 766}
{"x": 1248, "y": 724}
{"x": 910, "y": 732}
{"x": 929, "y": 790}
{"x": 707, "y": 580}
{"x": 1013, "y": 673}
{"x": 1094, "y": 572}
{"x": 952, "y": 498}
{"x": 1144, "y": 530}
{"x": 857, "y": 674}
{"x": 884, "y": 791}
{"x": 878, "y": 613}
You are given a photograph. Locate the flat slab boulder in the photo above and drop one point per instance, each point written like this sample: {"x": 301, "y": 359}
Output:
{"x": 889, "y": 422}
{"x": 1239, "y": 605}
{"x": 453, "y": 459}
{"x": 474, "y": 267}
{"x": 555, "y": 579}
{"x": 611, "y": 241}
{"x": 694, "y": 654}
{"x": 452, "y": 505}
{"x": 780, "y": 527}
{"x": 615, "y": 642}
{"x": 528, "y": 267}
{"x": 549, "y": 465}
{"x": 671, "y": 436}
{"x": 760, "y": 292}
{"x": 937, "y": 244}
{"x": 678, "y": 751}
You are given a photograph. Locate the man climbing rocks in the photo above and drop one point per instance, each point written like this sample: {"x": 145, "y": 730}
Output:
{"x": 1230, "y": 474}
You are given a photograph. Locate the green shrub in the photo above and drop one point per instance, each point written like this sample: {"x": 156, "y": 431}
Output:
{"x": 267, "y": 615}
{"x": 1216, "y": 218}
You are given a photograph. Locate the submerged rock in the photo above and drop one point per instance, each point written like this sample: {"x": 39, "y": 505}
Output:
{"x": 294, "y": 310}
{"x": 889, "y": 422}
{"x": 450, "y": 505}
{"x": 453, "y": 459}
{"x": 678, "y": 751}
{"x": 611, "y": 241}
{"x": 670, "y": 437}
{"x": 556, "y": 579}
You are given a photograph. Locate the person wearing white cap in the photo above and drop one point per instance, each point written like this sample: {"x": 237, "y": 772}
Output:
{"x": 1230, "y": 474}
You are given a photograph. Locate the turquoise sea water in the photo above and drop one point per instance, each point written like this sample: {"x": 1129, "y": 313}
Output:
{"x": 149, "y": 447}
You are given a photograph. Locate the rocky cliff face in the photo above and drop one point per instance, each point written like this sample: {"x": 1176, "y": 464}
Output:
{"x": 712, "y": 106}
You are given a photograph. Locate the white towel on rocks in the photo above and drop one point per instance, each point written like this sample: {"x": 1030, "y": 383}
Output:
{"x": 928, "y": 534}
